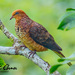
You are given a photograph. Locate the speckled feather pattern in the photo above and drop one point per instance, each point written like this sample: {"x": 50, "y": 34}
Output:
{"x": 32, "y": 34}
{"x": 22, "y": 28}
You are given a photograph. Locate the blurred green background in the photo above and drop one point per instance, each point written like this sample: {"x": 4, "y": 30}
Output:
{"x": 47, "y": 13}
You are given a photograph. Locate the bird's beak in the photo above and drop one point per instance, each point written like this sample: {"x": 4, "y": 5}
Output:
{"x": 11, "y": 17}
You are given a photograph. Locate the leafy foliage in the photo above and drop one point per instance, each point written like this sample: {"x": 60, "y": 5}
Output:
{"x": 71, "y": 70}
{"x": 2, "y": 63}
{"x": 68, "y": 20}
{"x": 55, "y": 67}
{"x": 70, "y": 9}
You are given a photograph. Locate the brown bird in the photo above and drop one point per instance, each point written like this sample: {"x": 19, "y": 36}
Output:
{"x": 33, "y": 35}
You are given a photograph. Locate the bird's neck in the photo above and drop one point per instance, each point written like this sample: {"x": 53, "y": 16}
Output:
{"x": 18, "y": 18}
{"x": 23, "y": 21}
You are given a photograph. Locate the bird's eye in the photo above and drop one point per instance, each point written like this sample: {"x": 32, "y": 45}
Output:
{"x": 16, "y": 13}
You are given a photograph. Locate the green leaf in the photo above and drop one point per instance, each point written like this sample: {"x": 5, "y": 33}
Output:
{"x": 55, "y": 67}
{"x": 2, "y": 63}
{"x": 61, "y": 60}
{"x": 68, "y": 21}
{"x": 64, "y": 60}
{"x": 72, "y": 56}
{"x": 71, "y": 70}
{"x": 70, "y": 9}
{"x": 68, "y": 59}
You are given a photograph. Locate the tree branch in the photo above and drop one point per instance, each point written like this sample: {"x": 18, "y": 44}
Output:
{"x": 7, "y": 33}
{"x": 17, "y": 49}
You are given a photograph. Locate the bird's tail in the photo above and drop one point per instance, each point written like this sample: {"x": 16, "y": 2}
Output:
{"x": 61, "y": 56}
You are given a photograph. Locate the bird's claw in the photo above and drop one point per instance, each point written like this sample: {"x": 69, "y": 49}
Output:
{"x": 32, "y": 53}
{"x": 23, "y": 46}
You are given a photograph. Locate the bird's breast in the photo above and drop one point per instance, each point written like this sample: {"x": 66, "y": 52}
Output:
{"x": 23, "y": 34}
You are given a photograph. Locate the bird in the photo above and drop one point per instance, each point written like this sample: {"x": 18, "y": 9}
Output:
{"x": 33, "y": 35}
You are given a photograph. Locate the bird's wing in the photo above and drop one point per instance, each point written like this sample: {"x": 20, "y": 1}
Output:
{"x": 41, "y": 36}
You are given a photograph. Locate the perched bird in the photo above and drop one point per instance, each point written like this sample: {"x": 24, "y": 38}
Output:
{"x": 33, "y": 35}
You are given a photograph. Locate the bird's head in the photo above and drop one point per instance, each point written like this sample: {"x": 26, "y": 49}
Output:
{"x": 18, "y": 14}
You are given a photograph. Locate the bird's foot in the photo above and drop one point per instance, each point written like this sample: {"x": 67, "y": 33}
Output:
{"x": 32, "y": 53}
{"x": 23, "y": 46}
{"x": 17, "y": 48}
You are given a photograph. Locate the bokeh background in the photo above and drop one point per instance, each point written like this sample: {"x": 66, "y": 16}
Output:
{"x": 48, "y": 13}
